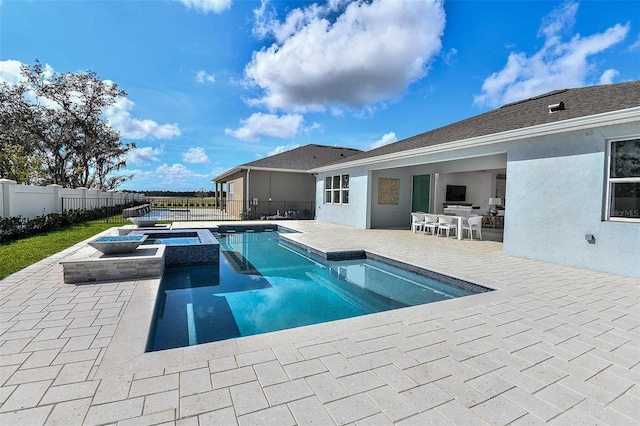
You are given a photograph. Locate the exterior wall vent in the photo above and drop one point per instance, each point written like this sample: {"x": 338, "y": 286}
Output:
{"x": 556, "y": 107}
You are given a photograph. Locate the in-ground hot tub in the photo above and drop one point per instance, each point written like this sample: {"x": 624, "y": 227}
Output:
{"x": 185, "y": 247}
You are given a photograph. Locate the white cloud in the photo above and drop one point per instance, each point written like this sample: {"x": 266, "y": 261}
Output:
{"x": 195, "y": 155}
{"x": 608, "y": 76}
{"x": 449, "y": 57}
{"x": 132, "y": 128}
{"x": 635, "y": 45}
{"x": 271, "y": 125}
{"x": 10, "y": 72}
{"x": 386, "y": 139}
{"x": 204, "y": 78}
{"x": 370, "y": 53}
{"x": 175, "y": 176}
{"x": 206, "y": 6}
{"x": 264, "y": 18}
{"x": 282, "y": 148}
{"x": 144, "y": 155}
{"x": 557, "y": 65}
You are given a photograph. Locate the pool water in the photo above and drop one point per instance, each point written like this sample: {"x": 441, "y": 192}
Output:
{"x": 263, "y": 285}
{"x": 174, "y": 241}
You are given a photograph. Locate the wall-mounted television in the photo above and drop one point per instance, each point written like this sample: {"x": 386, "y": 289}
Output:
{"x": 456, "y": 193}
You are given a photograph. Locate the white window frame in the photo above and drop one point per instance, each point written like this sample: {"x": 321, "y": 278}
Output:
{"x": 230, "y": 191}
{"x": 336, "y": 189}
{"x": 609, "y": 181}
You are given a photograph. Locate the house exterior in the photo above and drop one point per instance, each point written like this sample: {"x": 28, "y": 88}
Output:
{"x": 279, "y": 185}
{"x": 565, "y": 165}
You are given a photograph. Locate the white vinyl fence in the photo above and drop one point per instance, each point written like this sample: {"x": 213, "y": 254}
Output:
{"x": 30, "y": 201}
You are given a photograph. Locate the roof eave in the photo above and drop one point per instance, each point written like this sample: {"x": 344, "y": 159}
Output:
{"x": 224, "y": 175}
{"x": 230, "y": 172}
{"x": 597, "y": 120}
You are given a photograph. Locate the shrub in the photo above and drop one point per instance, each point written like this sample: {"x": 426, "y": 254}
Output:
{"x": 17, "y": 227}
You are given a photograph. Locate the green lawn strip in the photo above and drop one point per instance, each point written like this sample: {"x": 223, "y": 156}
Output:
{"x": 16, "y": 255}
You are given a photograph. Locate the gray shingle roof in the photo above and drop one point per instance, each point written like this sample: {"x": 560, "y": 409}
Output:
{"x": 579, "y": 102}
{"x": 303, "y": 158}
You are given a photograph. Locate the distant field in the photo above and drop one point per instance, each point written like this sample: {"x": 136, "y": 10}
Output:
{"x": 182, "y": 201}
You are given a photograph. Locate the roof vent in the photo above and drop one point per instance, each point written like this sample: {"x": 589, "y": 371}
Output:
{"x": 556, "y": 107}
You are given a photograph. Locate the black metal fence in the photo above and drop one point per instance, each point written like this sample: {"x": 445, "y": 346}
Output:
{"x": 210, "y": 209}
{"x": 193, "y": 209}
{"x": 99, "y": 208}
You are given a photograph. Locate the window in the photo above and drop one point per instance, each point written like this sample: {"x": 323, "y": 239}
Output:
{"x": 230, "y": 191}
{"x": 623, "y": 180}
{"x": 336, "y": 189}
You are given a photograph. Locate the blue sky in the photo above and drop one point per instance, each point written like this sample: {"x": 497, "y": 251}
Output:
{"x": 212, "y": 84}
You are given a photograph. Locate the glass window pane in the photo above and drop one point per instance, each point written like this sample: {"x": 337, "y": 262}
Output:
{"x": 327, "y": 182}
{"x": 625, "y": 159}
{"x": 625, "y": 200}
{"x": 345, "y": 197}
{"x": 345, "y": 181}
{"x": 336, "y": 197}
{"x": 327, "y": 196}
{"x": 336, "y": 182}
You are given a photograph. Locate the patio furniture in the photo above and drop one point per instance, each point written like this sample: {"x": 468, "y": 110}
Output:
{"x": 454, "y": 210}
{"x": 446, "y": 223}
{"x": 431, "y": 222}
{"x": 494, "y": 219}
{"x": 417, "y": 222}
{"x": 474, "y": 223}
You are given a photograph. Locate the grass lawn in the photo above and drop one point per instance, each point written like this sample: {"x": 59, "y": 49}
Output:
{"x": 19, "y": 254}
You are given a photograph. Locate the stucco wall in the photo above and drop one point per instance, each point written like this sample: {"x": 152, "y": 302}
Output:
{"x": 555, "y": 192}
{"x": 391, "y": 215}
{"x": 280, "y": 186}
{"x": 236, "y": 205}
{"x": 355, "y": 213}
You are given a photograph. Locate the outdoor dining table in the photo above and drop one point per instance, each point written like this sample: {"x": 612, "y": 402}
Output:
{"x": 459, "y": 220}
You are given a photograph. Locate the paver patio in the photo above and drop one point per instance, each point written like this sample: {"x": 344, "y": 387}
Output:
{"x": 553, "y": 344}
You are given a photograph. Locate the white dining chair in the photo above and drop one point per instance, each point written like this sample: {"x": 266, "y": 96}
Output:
{"x": 417, "y": 222}
{"x": 446, "y": 223}
{"x": 474, "y": 223}
{"x": 431, "y": 223}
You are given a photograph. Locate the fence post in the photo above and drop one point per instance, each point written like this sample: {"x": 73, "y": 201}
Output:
{"x": 83, "y": 192}
{"x": 57, "y": 203}
{"x": 8, "y": 194}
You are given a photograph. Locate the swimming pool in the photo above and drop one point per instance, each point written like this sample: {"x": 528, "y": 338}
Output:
{"x": 263, "y": 285}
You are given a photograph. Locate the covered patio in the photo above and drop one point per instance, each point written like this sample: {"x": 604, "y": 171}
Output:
{"x": 464, "y": 187}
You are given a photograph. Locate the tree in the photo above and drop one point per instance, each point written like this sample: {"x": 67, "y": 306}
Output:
{"x": 58, "y": 119}
{"x": 19, "y": 158}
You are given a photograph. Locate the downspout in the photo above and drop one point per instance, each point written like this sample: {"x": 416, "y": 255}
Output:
{"x": 247, "y": 191}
